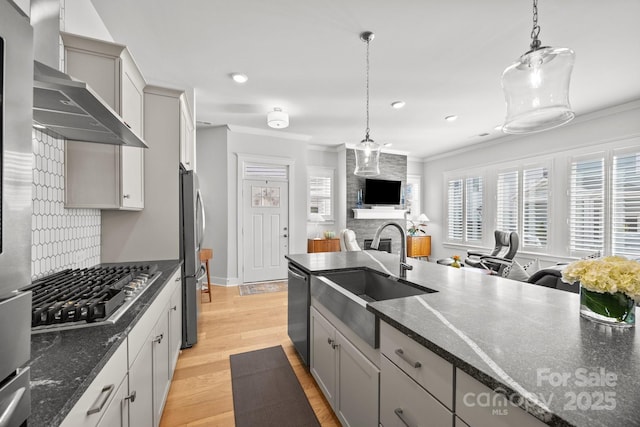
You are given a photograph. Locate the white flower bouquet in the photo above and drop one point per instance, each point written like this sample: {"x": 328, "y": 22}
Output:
{"x": 610, "y": 286}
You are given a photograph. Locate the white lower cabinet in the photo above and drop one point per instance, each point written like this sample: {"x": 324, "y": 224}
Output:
{"x": 403, "y": 402}
{"x": 175, "y": 325}
{"x": 100, "y": 396}
{"x": 140, "y": 385}
{"x": 472, "y": 408}
{"x": 161, "y": 379}
{"x": 349, "y": 381}
{"x": 117, "y": 413}
{"x": 131, "y": 389}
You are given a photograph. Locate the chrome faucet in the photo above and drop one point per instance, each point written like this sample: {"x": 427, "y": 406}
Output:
{"x": 403, "y": 245}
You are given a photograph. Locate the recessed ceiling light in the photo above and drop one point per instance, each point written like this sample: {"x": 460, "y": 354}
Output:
{"x": 499, "y": 127}
{"x": 398, "y": 104}
{"x": 452, "y": 118}
{"x": 483, "y": 134}
{"x": 387, "y": 144}
{"x": 239, "y": 77}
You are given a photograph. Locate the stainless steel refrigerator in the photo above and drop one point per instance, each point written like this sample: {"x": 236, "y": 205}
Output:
{"x": 192, "y": 233}
{"x": 16, "y": 103}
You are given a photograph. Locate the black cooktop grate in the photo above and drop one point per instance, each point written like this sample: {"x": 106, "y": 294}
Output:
{"x": 84, "y": 295}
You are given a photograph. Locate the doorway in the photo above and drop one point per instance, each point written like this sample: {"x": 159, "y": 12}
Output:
{"x": 265, "y": 237}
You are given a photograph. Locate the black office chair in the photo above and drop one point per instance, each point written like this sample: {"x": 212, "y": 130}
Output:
{"x": 505, "y": 250}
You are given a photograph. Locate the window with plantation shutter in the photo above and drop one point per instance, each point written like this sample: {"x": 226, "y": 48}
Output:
{"x": 507, "y": 201}
{"x": 587, "y": 206}
{"x": 321, "y": 192}
{"x": 535, "y": 207}
{"x": 473, "y": 202}
{"x": 465, "y": 199}
{"x": 625, "y": 215}
{"x": 454, "y": 210}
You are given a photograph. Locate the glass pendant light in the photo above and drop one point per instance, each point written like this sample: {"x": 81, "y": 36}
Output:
{"x": 367, "y": 152}
{"x": 536, "y": 87}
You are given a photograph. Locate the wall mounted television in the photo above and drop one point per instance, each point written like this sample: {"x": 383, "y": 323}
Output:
{"x": 382, "y": 192}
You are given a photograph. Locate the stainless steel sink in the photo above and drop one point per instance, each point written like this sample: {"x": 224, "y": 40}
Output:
{"x": 346, "y": 294}
{"x": 372, "y": 286}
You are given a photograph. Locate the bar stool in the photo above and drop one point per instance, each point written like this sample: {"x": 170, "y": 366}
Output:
{"x": 205, "y": 255}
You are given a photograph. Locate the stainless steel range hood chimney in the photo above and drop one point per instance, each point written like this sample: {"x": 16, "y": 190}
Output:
{"x": 69, "y": 108}
{"x": 63, "y": 106}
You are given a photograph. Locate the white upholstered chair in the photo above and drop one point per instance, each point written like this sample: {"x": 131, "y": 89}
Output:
{"x": 348, "y": 241}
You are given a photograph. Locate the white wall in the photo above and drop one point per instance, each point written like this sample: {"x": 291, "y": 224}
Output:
{"x": 217, "y": 152}
{"x": 80, "y": 17}
{"x": 615, "y": 125}
{"x": 211, "y": 151}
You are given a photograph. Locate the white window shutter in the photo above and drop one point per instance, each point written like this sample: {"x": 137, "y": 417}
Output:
{"x": 454, "y": 210}
{"x": 473, "y": 199}
{"x": 625, "y": 218}
{"x": 587, "y": 202}
{"x": 535, "y": 207}
{"x": 507, "y": 201}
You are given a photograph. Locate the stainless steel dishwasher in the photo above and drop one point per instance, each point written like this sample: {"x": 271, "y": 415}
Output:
{"x": 298, "y": 311}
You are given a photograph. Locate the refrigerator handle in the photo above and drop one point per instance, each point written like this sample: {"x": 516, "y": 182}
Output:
{"x": 202, "y": 272}
{"x": 201, "y": 222}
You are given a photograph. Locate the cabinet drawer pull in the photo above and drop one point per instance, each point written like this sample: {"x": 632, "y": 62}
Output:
{"x": 158, "y": 339}
{"x": 330, "y": 341}
{"x": 101, "y": 400}
{"x": 132, "y": 397}
{"x": 400, "y": 413}
{"x": 402, "y": 356}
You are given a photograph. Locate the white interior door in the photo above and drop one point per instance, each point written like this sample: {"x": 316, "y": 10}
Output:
{"x": 265, "y": 229}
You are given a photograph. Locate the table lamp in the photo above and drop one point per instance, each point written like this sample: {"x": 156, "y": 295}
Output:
{"x": 317, "y": 219}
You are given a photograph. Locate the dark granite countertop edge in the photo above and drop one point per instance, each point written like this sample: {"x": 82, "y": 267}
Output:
{"x": 146, "y": 300}
{"x": 525, "y": 404}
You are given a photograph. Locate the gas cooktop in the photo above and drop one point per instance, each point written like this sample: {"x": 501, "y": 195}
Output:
{"x": 77, "y": 298}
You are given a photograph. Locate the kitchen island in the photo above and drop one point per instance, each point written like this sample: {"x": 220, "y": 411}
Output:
{"x": 64, "y": 363}
{"x": 520, "y": 340}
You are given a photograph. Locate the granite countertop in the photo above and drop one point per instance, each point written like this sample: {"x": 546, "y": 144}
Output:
{"x": 526, "y": 339}
{"x": 64, "y": 363}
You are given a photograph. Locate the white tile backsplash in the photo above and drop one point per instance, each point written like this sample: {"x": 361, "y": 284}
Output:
{"x": 60, "y": 238}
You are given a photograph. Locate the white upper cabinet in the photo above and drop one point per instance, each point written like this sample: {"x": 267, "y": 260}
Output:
{"x": 187, "y": 135}
{"x": 98, "y": 175}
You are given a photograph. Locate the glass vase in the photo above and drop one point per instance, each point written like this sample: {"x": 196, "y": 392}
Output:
{"x": 610, "y": 309}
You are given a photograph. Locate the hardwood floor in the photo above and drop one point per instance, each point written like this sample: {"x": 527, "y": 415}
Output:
{"x": 200, "y": 393}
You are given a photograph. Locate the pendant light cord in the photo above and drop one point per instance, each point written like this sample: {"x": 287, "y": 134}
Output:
{"x": 535, "y": 31}
{"x": 367, "y": 61}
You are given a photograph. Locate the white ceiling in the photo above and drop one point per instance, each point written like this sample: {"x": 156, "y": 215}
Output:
{"x": 440, "y": 57}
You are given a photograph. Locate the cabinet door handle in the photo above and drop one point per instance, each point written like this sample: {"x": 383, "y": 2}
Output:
{"x": 174, "y": 308}
{"x": 126, "y": 196}
{"x": 334, "y": 346}
{"x": 101, "y": 400}
{"x": 404, "y": 357}
{"x": 132, "y": 397}
{"x": 330, "y": 341}
{"x": 158, "y": 339}
{"x": 178, "y": 279}
{"x": 400, "y": 413}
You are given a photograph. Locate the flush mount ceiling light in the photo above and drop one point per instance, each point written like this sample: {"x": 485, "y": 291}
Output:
{"x": 278, "y": 119}
{"x": 239, "y": 77}
{"x": 367, "y": 152}
{"x": 398, "y": 104}
{"x": 451, "y": 118}
{"x": 536, "y": 87}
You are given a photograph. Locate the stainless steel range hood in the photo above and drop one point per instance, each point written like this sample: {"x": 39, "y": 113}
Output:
{"x": 69, "y": 108}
